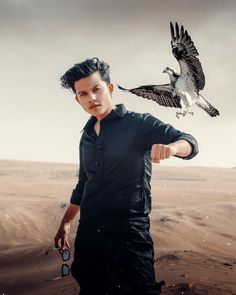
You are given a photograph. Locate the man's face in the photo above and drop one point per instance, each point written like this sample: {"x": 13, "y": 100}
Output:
{"x": 94, "y": 95}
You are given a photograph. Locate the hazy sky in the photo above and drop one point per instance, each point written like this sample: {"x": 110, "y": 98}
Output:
{"x": 41, "y": 39}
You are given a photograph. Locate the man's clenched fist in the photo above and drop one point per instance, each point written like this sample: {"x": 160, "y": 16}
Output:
{"x": 162, "y": 151}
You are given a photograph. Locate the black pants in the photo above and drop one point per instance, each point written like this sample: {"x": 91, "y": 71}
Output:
{"x": 114, "y": 263}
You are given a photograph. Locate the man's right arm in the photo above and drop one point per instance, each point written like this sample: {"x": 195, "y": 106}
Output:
{"x": 61, "y": 238}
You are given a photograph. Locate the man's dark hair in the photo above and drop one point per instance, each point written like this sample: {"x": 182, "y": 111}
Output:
{"x": 85, "y": 69}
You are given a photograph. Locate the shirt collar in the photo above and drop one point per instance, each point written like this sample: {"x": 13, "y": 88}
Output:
{"x": 119, "y": 111}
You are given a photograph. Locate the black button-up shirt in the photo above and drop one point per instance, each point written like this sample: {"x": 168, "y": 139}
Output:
{"x": 113, "y": 190}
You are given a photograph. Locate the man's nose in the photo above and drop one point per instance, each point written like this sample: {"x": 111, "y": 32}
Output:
{"x": 92, "y": 97}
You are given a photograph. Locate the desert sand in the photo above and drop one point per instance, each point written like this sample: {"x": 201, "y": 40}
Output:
{"x": 193, "y": 225}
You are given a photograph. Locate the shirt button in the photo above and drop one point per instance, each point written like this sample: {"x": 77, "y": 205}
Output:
{"x": 99, "y": 147}
{"x": 96, "y": 163}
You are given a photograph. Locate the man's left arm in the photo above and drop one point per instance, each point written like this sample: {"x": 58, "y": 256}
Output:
{"x": 165, "y": 141}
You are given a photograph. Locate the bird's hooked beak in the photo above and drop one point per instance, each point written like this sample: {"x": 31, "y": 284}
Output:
{"x": 165, "y": 71}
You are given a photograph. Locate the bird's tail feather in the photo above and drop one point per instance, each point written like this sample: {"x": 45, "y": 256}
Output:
{"x": 205, "y": 105}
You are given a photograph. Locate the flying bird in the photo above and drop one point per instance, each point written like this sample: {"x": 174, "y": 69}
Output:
{"x": 184, "y": 87}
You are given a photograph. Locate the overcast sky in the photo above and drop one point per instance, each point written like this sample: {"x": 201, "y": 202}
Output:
{"x": 40, "y": 40}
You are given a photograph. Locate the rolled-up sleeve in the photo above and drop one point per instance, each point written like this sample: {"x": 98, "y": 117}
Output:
{"x": 77, "y": 193}
{"x": 155, "y": 131}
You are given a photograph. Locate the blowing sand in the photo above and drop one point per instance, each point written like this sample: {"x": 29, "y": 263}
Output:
{"x": 193, "y": 225}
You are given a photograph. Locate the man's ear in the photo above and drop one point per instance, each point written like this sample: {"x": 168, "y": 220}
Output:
{"x": 110, "y": 88}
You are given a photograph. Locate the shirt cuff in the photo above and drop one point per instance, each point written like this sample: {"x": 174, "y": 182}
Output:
{"x": 77, "y": 193}
{"x": 193, "y": 142}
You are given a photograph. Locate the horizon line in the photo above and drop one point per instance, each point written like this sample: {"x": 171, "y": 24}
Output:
{"x": 155, "y": 165}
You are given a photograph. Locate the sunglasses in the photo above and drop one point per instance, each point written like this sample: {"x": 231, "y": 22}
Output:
{"x": 65, "y": 268}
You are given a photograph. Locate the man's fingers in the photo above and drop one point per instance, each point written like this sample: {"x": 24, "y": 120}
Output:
{"x": 64, "y": 243}
{"x": 152, "y": 152}
{"x": 155, "y": 153}
{"x": 160, "y": 152}
{"x": 67, "y": 243}
{"x": 61, "y": 239}
{"x": 168, "y": 152}
{"x": 57, "y": 242}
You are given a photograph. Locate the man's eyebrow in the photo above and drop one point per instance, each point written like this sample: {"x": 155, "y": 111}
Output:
{"x": 84, "y": 91}
{"x": 96, "y": 85}
{"x": 79, "y": 92}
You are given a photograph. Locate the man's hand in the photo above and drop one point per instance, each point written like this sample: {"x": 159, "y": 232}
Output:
{"x": 162, "y": 151}
{"x": 61, "y": 238}
{"x": 180, "y": 148}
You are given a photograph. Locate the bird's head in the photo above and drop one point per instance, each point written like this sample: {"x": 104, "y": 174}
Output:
{"x": 170, "y": 71}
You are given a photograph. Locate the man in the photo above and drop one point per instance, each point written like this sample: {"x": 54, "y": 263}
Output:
{"x": 113, "y": 248}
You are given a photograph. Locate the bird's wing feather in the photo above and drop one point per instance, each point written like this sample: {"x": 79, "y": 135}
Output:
{"x": 185, "y": 52}
{"x": 164, "y": 94}
{"x": 206, "y": 106}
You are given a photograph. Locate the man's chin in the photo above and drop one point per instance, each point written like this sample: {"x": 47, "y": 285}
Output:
{"x": 96, "y": 111}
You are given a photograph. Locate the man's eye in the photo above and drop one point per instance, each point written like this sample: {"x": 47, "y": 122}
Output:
{"x": 97, "y": 89}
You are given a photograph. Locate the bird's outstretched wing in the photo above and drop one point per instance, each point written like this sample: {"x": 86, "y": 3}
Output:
{"x": 206, "y": 106}
{"x": 164, "y": 94}
{"x": 185, "y": 52}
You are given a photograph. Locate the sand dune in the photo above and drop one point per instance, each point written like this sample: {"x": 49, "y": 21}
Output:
{"x": 193, "y": 224}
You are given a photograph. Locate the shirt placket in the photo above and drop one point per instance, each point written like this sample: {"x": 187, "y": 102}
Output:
{"x": 99, "y": 155}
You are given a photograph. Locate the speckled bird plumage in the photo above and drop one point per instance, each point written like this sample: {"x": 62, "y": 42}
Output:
{"x": 184, "y": 87}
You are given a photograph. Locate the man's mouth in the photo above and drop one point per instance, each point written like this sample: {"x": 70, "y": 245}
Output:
{"x": 94, "y": 105}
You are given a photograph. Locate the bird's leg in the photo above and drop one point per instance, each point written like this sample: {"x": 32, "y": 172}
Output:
{"x": 180, "y": 113}
{"x": 184, "y": 113}
{"x": 187, "y": 111}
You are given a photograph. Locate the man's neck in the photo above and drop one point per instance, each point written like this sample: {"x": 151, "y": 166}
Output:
{"x": 100, "y": 118}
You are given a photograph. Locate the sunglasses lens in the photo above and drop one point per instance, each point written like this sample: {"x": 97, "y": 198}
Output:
{"x": 65, "y": 255}
{"x": 65, "y": 271}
